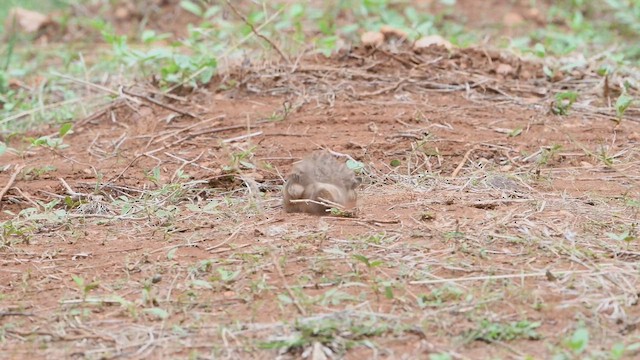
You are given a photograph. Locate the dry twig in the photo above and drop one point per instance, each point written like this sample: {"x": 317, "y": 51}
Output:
{"x": 293, "y": 297}
{"x": 161, "y": 104}
{"x": 12, "y": 179}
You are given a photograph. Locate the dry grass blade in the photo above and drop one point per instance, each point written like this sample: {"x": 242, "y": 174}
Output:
{"x": 11, "y": 181}
{"x": 161, "y": 104}
{"x": 258, "y": 34}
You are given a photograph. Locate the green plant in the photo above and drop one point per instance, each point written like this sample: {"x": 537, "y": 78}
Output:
{"x": 618, "y": 350}
{"x": 548, "y": 154}
{"x": 628, "y": 236}
{"x": 154, "y": 175}
{"x": 489, "y": 331}
{"x": 241, "y": 158}
{"x": 12, "y": 228}
{"x": 356, "y": 166}
{"x": 622, "y": 104}
{"x": 342, "y": 213}
{"x": 52, "y": 142}
{"x": 586, "y": 27}
{"x": 37, "y": 172}
{"x": 451, "y": 235}
{"x": 337, "y": 333}
{"x": 157, "y": 312}
{"x": 200, "y": 8}
{"x": 563, "y": 102}
{"x": 439, "y": 296}
{"x": 85, "y": 287}
{"x": 365, "y": 260}
{"x": 515, "y": 132}
{"x": 440, "y": 356}
{"x": 228, "y": 276}
{"x": 579, "y": 341}
{"x": 173, "y": 65}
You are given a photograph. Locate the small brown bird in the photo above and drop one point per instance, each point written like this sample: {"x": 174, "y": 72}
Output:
{"x": 318, "y": 183}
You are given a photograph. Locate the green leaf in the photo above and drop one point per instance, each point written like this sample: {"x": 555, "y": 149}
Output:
{"x": 604, "y": 70}
{"x": 172, "y": 253}
{"x": 211, "y": 206}
{"x": 120, "y": 300}
{"x": 634, "y": 347}
{"x": 515, "y": 132}
{"x": 327, "y": 44}
{"x": 78, "y": 280}
{"x": 579, "y": 340}
{"x": 285, "y": 299}
{"x": 633, "y": 203}
{"x": 93, "y": 285}
{"x": 201, "y": 284}
{"x": 440, "y": 356}
{"x": 65, "y": 128}
{"x": 211, "y": 11}
{"x": 570, "y": 96}
{"x": 3, "y": 148}
{"x": 148, "y": 36}
{"x": 193, "y": 208}
{"x": 354, "y": 165}
{"x": 157, "y": 312}
{"x": 191, "y": 7}
{"x": 388, "y": 292}
{"x": 623, "y": 236}
{"x": 539, "y": 50}
{"x": 68, "y": 201}
{"x": 296, "y": 10}
{"x": 395, "y": 162}
{"x": 617, "y": 350}
{"x": 228, "y": 276}
{"x": 363, "y": 259}
{"x": 563, "y": 102}
{"x": 247, "y": 164}
{"x": 623, "y": 102}
{"x": 206, "y": 75}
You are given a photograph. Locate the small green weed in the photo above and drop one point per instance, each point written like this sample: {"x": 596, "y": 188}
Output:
{"x": 439, "y": 296}
{"x": 563, "y": 102}
{"x": 339, "y": 334}
{"x": 548, "y": 154}
{"x": 622, "y": 104}
{"x": 85, "y": 287}
{"x": 489, "y": 331}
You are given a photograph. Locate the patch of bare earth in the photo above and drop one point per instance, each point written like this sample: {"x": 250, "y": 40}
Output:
{"x": 478, "y": 205}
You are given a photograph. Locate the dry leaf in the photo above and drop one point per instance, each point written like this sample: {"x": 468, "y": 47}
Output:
{"x": 372, "y": 39}
{"x": 512, "y": 19}
{"x": 122, "y": 13}
{"x": 504, "y": 69}
{"x": 535, "y": 15}
{"x": 392, "y": 33}
{"x": 426, "y": 41}
{"x": 24, "y": 20}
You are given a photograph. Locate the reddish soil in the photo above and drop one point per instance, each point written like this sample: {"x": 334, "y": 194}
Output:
{"x": 491, "y": 185}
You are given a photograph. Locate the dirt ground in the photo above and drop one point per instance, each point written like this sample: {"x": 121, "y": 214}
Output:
{"x": 479, "y": 204}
